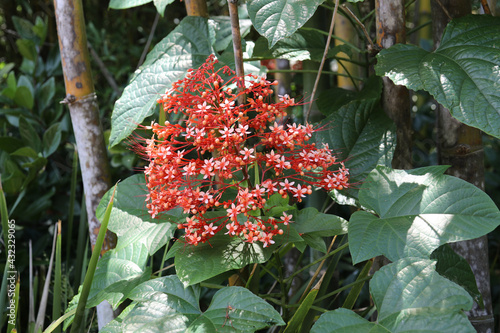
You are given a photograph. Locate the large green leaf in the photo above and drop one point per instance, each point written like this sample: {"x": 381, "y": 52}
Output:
{"x": 165, "y": 305}
{"x": 117, "y": 273}
{"x": 462, "y": 74}
{"x": 277, "y": 19}
{"x": 223, "y": 35}
{"x": 130, "y": 219}
{"x": 187, "y": 46}
{"x": 238, "y": 309}
{"x": 410, "y": 296}
{"x": 310, "y": 221}
{"x": 361, "y": 134}
{"x": 302, "y": 45}
{"x": 222, "y": 253}
{"x": 341, "y": 321}
{"x": 417, "y": 213}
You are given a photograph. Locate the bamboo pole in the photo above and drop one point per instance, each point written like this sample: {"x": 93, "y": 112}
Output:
{"x": 84, "y": 112}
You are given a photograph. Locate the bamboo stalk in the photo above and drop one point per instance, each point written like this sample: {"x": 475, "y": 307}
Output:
{"x": 84, "y": 112}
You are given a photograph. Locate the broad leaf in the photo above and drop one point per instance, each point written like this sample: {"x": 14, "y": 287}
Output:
{"x": 187, "y": 46}
{"x": 302, "y": 45}
{"x": 277, "y": 19}
{"x": 222, "y": 253}
{"x": 410, "y": 295}
{"x": 238, "y": 309}
{"x": 417, "y": 213}
{"x": 117, "y": 273}
{"x": 462, "y": 74}
{"x": 310, "y": 221}
{"x": 223, "y": 35}
{"x": 341, "y": 321}
{"x": 123, "y": 4}
{"x": 130, "y": 219}
{"x": 362, "y": 135}
{"x": 165, "y": 305}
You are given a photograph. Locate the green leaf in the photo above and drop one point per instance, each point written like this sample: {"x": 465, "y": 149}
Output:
{"x": 130, "y": 220}
{"x": 10, "y": 144}
{"x": 310, "y": 221}
{"x": 161, "y": 5}
{"x": 51, "y": 139}
{"x": 118, "y": 272}
{"x": 294, "y": 325}
{"x": 27, "y": 48}
{"x": 23, "y": 97}
{"x": 124, "y": 4}
{"x": 223, "y": 35}
{"x": 45, "y": 94}
{"x": 362, "y": 135}
{"x": 238, "y": 309}
{"x": 115, "y": 326}
{"x": 417, "y": 213}
{"x": 222, "y": 253}
{"x": 462, "y": 74}
{"x": 277, "y": 19}
{"x": 411, "y": 295}
{"x": 29, "y": 135}
{"x": 302, "y": 45}
{"x": 187, "y": 46}
{"x": 24, "y": 28}
{"x": 455, "y": 268}
{"x": 341, "y": 321}
{"x": 165, "y": 305}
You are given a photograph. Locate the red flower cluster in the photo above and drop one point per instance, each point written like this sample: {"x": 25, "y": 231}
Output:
{"x": 218, "y": 144}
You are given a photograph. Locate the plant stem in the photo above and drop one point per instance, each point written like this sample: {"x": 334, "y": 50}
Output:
{"x": 327, "y": 47}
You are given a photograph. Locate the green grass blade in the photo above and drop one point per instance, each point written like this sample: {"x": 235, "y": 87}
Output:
{"x": 80, "y": 309}
{"x": 45, "y": 292}
{"x": 294, "y": 325}
{"x": 81, "y": 249}
{"x": 55, "y": 324}
{"x": 56, "y": 301}
{"x": 356, "y": 289}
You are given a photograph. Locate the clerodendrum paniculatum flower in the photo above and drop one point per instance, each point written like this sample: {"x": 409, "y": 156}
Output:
{"x": 218, "y": 143}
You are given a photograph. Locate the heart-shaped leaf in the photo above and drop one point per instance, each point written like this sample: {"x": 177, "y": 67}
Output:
{"x": 277, "y": 19}
{"x": 417, "y": 213}
{"x": 462, "y": 74}
{"x": 130, "y": 219}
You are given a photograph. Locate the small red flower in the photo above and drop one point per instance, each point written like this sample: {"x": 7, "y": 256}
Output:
{"x": 192, "y": 164}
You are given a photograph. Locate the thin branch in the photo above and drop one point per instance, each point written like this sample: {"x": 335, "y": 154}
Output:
{"x": 104, "y": 70}
{"x": 148, "y": 42}
{"x": 444, "y": 10}
{"x": 238, "y": 51}
{"x": 327, "y": 47}
{"x": 355, "y": 18}
{"x": 316, "y": 273}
